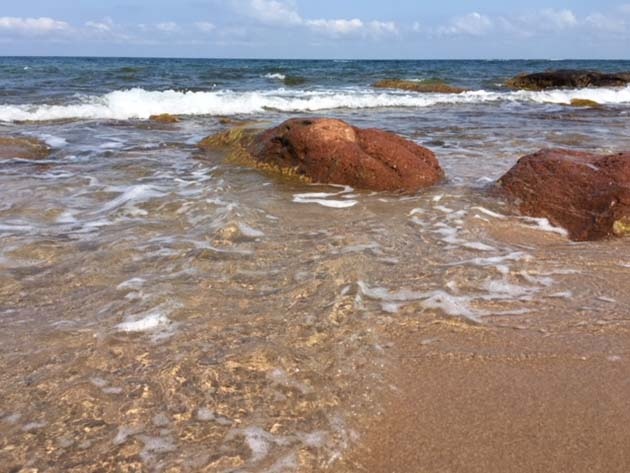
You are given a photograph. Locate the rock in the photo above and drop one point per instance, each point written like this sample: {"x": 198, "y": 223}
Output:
{"x": 23, "y": 147}
{"x": 427, "y": 86}
{"x": 567, "y": 79}
{"x": 331, "y": 151}
{"x": 293, "y": 81}
{"x": 584, "y": 103}
{"x": 164, "y": 118}
{"x": 587, "y": 194}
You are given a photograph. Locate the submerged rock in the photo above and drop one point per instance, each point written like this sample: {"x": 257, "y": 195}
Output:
{"x": 568, "y": 79}
{"x": 587, "y": 194}
{"x": 164, "y": 118}
{"x": 584, "y": 103}
{"x": 427, "y": 86}
{"x": 23, "y": 148}
{"x": 293, "y": 81}
{"x": 331, "y": 151}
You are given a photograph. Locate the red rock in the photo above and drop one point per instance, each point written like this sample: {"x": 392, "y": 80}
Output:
{"x": 587, "y": 194}
{"x": 331, "y": 151}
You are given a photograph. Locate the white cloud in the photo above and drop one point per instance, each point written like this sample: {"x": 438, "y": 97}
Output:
{"x": 285, "y": 13}
{"x": 205, "y": 26}
{"x": 271, "y": 12}
{"x": 35, "y": 26}
{"x": 382, "y": 27}
{"x": 473, "y": 24}
{"x": 167, "y": 27}
{"x": 541, "y": 22}
{"x": 600, "y": 22}
{"x": 104, "y": 25}
{"x": 556, "y": 19}
{"x": 336, "y": 27}
{"x": 352, "y": 27}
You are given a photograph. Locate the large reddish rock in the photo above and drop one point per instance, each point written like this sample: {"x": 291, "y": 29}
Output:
{"x": 331, "y": 151}
{"x": 587, "y": 194}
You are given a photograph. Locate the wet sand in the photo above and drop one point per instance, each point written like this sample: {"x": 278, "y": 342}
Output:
{"x": 466, "y": 399}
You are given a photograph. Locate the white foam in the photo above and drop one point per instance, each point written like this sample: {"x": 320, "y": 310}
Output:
{"x": 140, "y": 104}
{"x": 455, "y": 306}
{"x": 249, "y": 232}
{"x": 132, "y": 194}
{"x": 145, "y": 322}
{"x": 490, "y": 213}
{"x": 544, "y": 225}
{"x": 392, "y": 301}
{"x": 322, "y": 198}
{"x": 276, "y": 75}
{"x": 51, "y": 140}
{"x": 496, "y": 260}
{"x": 504, "y": 289}
{"x": 383, "y": 294}
{"x": 133, "y": 283}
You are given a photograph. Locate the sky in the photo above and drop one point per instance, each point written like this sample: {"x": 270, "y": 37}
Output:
{"x": 335, "y": 29}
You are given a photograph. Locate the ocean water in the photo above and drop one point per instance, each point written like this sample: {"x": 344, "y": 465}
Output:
{"x": 162, "y": 310}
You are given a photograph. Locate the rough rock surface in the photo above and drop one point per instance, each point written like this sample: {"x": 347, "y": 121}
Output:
{"x": 331, "y": 151}
{"x": 584, "y": 103}
{"x": 23, "y": 148}
{"x": 588, "y": 195}
{"x": 568, "y": 79}
{"x": 164, "y": 118}
{"x": 429, "y": 86}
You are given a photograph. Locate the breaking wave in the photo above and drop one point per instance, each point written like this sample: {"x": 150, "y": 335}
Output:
{"x": 140, "y": 103}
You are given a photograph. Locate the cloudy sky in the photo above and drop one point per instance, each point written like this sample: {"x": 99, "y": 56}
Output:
{"x": 404, "y": 29}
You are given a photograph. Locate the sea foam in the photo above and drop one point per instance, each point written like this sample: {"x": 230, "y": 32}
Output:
{"x": 141, "y": 104}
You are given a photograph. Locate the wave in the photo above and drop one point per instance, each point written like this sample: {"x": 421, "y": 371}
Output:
{"x": 141, "y": 104}
{"x": 276, "y": 75}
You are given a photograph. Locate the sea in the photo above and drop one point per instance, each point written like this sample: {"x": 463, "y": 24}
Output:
{"x": 162, "y": 309}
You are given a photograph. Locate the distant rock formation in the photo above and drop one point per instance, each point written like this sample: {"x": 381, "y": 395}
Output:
{"x": 568, "y": 79}
{"x": 426, "y": 86}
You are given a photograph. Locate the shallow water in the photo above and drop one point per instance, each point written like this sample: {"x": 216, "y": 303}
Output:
{"x": 164, "y": 310}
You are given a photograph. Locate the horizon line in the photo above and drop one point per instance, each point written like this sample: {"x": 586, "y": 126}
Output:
{"x": 31, "y": 56}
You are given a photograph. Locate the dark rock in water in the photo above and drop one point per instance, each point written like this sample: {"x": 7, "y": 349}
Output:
{"x": 331, "y": 151}
{"x": 23, "y": 148}
{"x": 587, "y": 194}
{"x": 164, "y": 118}
{"x": 568, "y": 79}
{"x": 293, "y": 81}
{"x": 427, "y": 86}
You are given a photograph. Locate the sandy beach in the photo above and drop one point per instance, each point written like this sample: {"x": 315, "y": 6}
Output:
{"x": 464, "y": 399}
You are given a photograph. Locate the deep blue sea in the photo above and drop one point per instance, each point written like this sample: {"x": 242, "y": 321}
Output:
{"x": 164, "y": 309}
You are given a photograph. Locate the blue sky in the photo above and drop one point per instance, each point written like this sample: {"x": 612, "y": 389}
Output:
{"x": 406, "y": 29}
